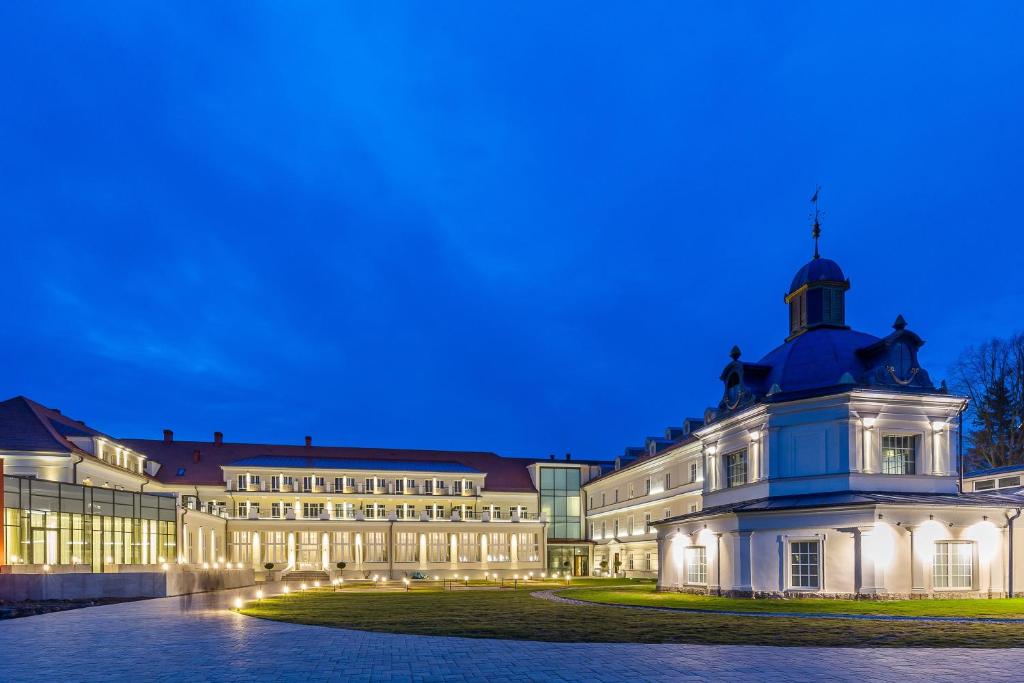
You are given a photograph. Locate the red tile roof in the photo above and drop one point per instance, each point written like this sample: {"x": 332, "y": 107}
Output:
{"x": 503, "y": 474}
{"x": 28, "y": 426}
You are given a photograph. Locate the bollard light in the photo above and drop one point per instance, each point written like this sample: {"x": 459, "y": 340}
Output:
{"x": 238, "y": 603}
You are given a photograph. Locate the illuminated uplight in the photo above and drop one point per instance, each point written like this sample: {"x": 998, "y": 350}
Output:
{"x": 316, "y": 584}
{"x": 985, "y": 535}
{"x": 165, "y": 566}
{"x": 238, "y": 603}
{"x": 221, "y": 559}
{"x": 286, "y": 590}
{"x": 108, "y": 559}
{"x": 925, "y": 537}
{"x": 46, "y": 567}
{"x": 259, "y": 594}
{"x": 678, "y": 551}
{"x": 216, "y": 565}
{"x": 302, "y": 586}
{"x": 206, "y": 565}
{"x": 161, "y": 559}
{"x": 881, "y": 545}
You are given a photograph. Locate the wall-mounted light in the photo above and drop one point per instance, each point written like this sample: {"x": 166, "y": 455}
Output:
{"x": 755, "y": 435}
{"x": 868, "y": 422}
{"x": 938, "y": 426}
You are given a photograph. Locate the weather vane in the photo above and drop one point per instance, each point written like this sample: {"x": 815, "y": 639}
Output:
{"x": 816, "y": 230}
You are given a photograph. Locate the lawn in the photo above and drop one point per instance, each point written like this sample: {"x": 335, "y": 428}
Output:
{"x": 516, "y": 615}
{"x": 646, "y": 595}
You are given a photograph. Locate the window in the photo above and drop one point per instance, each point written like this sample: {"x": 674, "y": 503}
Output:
{"x": 1009, "y": 481}
{"x": 339, "y": 484}
{"x": 341, "y": 546}
{"x": 668, "y": 513}
{"x": 469, "y": 547}
{"x": 240, "y": 547}
{"x": 254, "y": 479}
{"x": 668, "y": 481}
{"x": 632, "y": 491}
{"x": 399, "y": 485}
{"x": 438, "y": 548}
{"x": 898, "y": 453}
{"x": 648, "y": 564}
{"x": 985, "y": 485}
{"x": 428, "y": 486}
{"x": 375, "y": 548}
{"x": 629, "y": 525}
{"x": 736, "y": 468}
{"x": 275, "y": 548}
{"x": 616, "y": 528}
{"x": 696, "y": 565}
{"x": 804, "y": 564}
{"x": 647, "y": 522}
{"x": 616, "y": 495}
{"x": 629, "y": 561}
{"x": 528, "y": 546}
{"x": 275, "y": 482}
{"x": 693, "y": 508}
{"x": 603, "y": 500}
{"x": 368, "y": 485}
{"x": 591, "y": 507}
{"x": 647, "y": 487}
{"x": 312, "y": 510}
{"x": 953, "y": 567}
{"x": 604, "y": 530}
{"x": 307, "y": 484}
{"x": 407, "y": 547}
{"x": 241, "y": 482}
{"x": 275, "y": 510}
{"x": 457, "y": 486}
{"x": 498, "y": 548}
{"x": 693, "y": 472}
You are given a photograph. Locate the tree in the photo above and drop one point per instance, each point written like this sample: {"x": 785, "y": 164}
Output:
{"x": 992, "y": 377}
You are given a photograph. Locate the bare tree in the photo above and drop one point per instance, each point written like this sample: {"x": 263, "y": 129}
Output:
{"x": 992, "y": 376}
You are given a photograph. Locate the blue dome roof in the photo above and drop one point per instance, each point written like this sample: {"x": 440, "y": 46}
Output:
{"x": 817, "y": 270}
{"x": 816, "y": 359}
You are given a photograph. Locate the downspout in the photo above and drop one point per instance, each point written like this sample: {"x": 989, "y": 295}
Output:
{"x": 960, "y": 448}
{"x": 74, "y": 468}
{"x": 1009, "y": 524}
{"x": 391, "y": 549}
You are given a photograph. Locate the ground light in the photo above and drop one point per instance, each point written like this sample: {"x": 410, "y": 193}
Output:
{"x": 165, "y": 566}
{"x": 316, "y": 584}
{"x": 406, "y": 582}
{"x": 286, "y": 590}
{"x": 238, "y": 603}
{"x": 302, "y": 586}
{"x": 259, "y": 594}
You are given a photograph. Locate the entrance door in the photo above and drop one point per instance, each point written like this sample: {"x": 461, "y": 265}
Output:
{"x": 309, "y": 551}
{"x": 580, "y": 566}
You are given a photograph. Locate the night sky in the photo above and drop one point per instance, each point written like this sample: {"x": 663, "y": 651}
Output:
{"x": 463, "y": 225}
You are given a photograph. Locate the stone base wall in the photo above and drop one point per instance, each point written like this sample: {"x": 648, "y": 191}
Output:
{"x": 85, "y": 586}
{"x": 798, "y": 595}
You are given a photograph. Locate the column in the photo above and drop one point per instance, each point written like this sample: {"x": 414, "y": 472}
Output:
{"x": 917, "y": 584}
{"x": 256, "y": 554}
{"x": 741, "y": 565}
{"x": 662, "y": 572}
{"x": 715, "y": 566}
{"x": 868, "y": 579}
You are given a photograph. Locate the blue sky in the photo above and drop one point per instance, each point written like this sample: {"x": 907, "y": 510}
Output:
{"x": 527, "y": 228}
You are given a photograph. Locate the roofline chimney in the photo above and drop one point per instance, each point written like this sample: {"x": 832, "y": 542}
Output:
{"x": 218, "y": 438}
{"x": 168, "y": 436}
{"x": 309, "y": 442}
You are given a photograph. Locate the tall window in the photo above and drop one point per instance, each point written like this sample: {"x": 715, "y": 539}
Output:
{"x": 528, "y": 546}
{"x": 560, "y": 501}
{"x": 240, "y": 547}
{"x": 647, "y": 487}
{"x": 469, "y": 547}
{"x": 616, "y": 529}
{"x": 438, "y": 547}
{"x": 668, "y": 480}
{"x": 736, "y": 468}
{"x": 647, "y": 522}
{"x": 407, "y": 547}
{"x": 697, "y": 564}
{"x": 953, "y": 566}
{"x": 693, "y": 472}
{"x": 497, "y": 548}
{"x": 339, "y": 484}
{"x": 399, "y": 485}
{"x": 275, "y": 547}
{"x": 805, "y": 564}
{"x": 375, "y": 548}
{"x": 898, "y": 453}
{"x": 341, "y": 546}
{"x": 312, "y": 510}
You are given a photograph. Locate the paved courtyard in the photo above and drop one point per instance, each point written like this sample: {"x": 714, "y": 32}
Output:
{"x": 198, "y": 639}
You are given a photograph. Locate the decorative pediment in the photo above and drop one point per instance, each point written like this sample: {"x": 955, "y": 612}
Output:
{"x": 892, "y": 361}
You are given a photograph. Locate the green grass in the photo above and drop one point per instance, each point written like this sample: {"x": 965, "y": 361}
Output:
{"x": 645, "y": 595}
{"x": 517, "y": 615}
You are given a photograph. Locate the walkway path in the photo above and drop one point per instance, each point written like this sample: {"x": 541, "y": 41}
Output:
{"x": 170, "y": 639}
{"x": 553, "y": 596}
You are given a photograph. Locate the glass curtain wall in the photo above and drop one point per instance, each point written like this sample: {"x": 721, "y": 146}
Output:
{"x": 48, "y": 522}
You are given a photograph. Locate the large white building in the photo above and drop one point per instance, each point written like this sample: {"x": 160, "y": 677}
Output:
{"x": 829, "y": 467}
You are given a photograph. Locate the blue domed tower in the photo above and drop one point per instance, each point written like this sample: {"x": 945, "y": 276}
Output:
{"x": 816, "y": 297}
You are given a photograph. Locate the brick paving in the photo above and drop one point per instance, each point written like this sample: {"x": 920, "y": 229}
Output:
{"x": 198, "y": 639}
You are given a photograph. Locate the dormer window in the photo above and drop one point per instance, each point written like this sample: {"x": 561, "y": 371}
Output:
{"x": 902, "y": 360}
{"x": 732, "y": 390}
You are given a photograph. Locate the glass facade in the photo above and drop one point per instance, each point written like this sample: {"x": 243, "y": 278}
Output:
{"x": 560, "y": 501}
{"x": 48, "y": 522}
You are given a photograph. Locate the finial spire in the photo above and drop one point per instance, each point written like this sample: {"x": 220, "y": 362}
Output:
{"x": 816, "y": 230}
